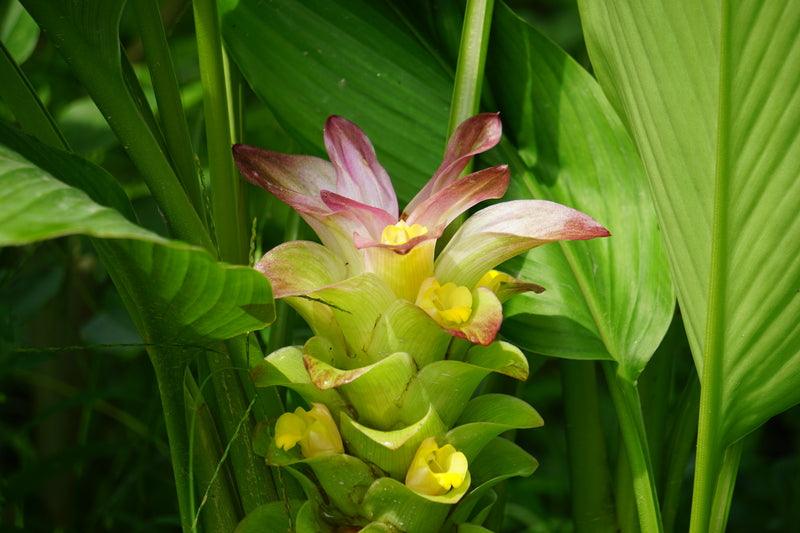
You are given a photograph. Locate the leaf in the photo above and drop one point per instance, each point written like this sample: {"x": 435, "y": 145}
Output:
{"x": 388, "y": 500}
{"x": 269, "y": 517}
{"x": 18, "y": 32}
{"x": 715, "y": 119}
{"x": 500, "y": 459}
{"x": 180, "y": 290}
{"x": 571, "y": 148}
{"x": 331, "y": 57}
{"x": 486, "y": 417}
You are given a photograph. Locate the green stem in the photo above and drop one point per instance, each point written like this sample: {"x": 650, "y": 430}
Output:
{"x": 252, "y": 476}
{"x": 710, "y": 441}
{"x": 471, "y": 60}
{"x": 220, "y": 510}
{"x": 723, "y": 493}
{"x": 170, "y": 108}
{"x": 631, "y": 422}
{"x": 170, "y": 370}
{"x": 20, "y": 97}
{"x": 592, "y": 508}
{"x": 227, "y": 203}
{"x": 681, "y": 444}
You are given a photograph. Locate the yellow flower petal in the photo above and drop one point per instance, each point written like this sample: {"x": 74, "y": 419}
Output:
{"x": 450, "y": 305}
{"x": 401, "y": 233}
{"x": 493, "y": 279}
{"x": 289, "y": 430}
{"x": 436, "y": 470}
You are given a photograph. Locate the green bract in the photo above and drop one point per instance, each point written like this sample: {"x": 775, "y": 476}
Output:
{"x": 402, "y": 338}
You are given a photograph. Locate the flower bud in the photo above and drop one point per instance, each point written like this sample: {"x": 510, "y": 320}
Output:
{"x": 435, "y": 470}
{"x": 314, "y": 430}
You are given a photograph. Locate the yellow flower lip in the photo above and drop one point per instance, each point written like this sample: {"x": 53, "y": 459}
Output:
{"x": 493, "y": 279}
{"x": 450, "y": 305}
{"x": 401, "y": 233}
{"x": 435, "y": 470}
{"x": 314, "y": 430}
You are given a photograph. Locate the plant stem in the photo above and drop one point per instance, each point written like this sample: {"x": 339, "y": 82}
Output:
{"x": 723, "y": 493}
{"x": 20, "y": 97}
{"x": 471, "y": 60}
{"x": 227, "y": 203}
{"x": 170, "y": 109}
{"x": 710, "y": 441}
{"x": 681, "y": 442}
{"x": 592, "y": 508}
{"x": 222, "y": 512}
{"x": 631, "y": 422}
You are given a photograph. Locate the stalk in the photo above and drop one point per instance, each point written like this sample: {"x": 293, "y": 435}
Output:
{"x": 20, "y": 97}
{"x": 592, "y": 508}
{"x": 631, "y": 423}
{"x": 681, "y": 443}
{"x": 471, "y": 60}
{"x": 170, "y": 109}
{"x": 227, "y": 203}
{"x": 723, "y": 493}
{"x": 710, "y": 442}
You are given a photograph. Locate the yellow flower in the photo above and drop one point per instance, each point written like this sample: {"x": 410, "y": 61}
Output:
{"x": 493, "y": 279}
{"x": 450, "y": 305}
{"x": 314, "y": 430}
{"x": 436, "y": 470}
{"x": 401, "y": 233}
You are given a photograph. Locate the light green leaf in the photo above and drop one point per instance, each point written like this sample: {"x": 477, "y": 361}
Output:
{"x": 502, "y": 357}
{"x": 327, "y": 67}
{"x": 18, "y": 31}
{"x": 344, "y": 478}
{"x": 569, "y": 146}
{"x": 180, "y": 290}
{"x": 715, "y": 117}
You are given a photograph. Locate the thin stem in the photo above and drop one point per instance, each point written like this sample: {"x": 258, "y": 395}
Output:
{"x": 227, "y": 203}
{"x": 20, "y": 97}
{"x": 471, "y": 60}
{"x": 723, "y": 493}
{"x": 710, "y": 442}
{"x": 212, "y": 477}
{"x": 681, "y": 442}
{"x": 170, "y": 109}
{"x": 631, "y": 422}
{"x": 590, "y": 481}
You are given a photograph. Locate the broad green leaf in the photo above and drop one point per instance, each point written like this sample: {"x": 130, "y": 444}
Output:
{"x": 18, "y": 31}
{"x": 710, "y": 93}
{"x": 569, "y": 146}
{"x": 355, "y": 59}
{"x": 180, "y": 290}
